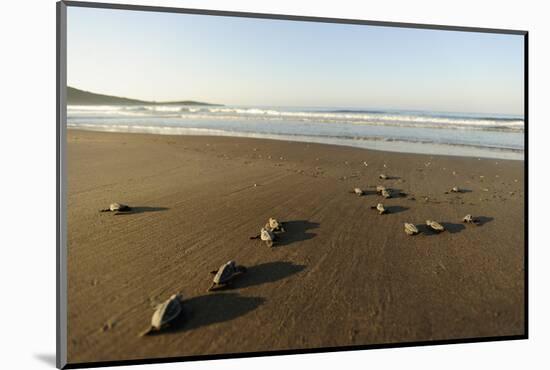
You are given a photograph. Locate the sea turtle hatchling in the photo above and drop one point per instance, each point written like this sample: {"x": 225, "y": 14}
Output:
{"x": 274, "y": 225}
{"x": 380, "y": 208}
{"x": 165, "y": 313}
{"x": 411, "y": 229}
{"x": 117, "y": 208}
{"x": 435, "y": 226}
{"x": 266, "y": 235}
{"x": 225, "y": 274}
{"x": 470, "y": 220}
{"x": 357, "y": 191}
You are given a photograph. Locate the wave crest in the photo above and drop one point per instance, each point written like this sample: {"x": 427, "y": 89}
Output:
{"x": 356, "y": 117}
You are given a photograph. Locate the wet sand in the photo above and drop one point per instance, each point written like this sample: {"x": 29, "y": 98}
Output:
{"x": 341, "y": 274}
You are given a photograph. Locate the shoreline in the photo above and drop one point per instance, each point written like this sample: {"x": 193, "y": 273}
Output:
{"x": 378, "y": 144}
{"x": 341, "y": 274}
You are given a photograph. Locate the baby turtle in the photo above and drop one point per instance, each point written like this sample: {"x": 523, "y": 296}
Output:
{"x": 383, "y": 176}
{"x": 380, "y": 189}
{"x": 266, "y": 235}
{"x": 274, "y": 225}
{"x": 165, "y": 313}
{"x": 435, "y": 226}
{"x": 225, "y": 274}
{"x": 411, "y": 229}
{"x": 470, "y": 220}
{"x": 380, "y": 208}
{"x": 357, "y": 191}
{"x": 117, "y": 208}
{"x": 386, "y": 193}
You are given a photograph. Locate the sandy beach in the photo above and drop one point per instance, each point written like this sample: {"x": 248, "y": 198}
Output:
{"x": 341, "y": 274}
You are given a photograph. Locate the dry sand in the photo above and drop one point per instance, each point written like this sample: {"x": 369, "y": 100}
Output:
{"x": 341, "y": 275}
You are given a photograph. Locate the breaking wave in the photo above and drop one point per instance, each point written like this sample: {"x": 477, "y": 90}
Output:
{"x": 404, "y": 131}
{"x": 356, "y": 117}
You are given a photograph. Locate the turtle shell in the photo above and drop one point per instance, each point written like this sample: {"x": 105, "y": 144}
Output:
{"x": 225, "y": 273}
{"x": 266, "y": 235}
{"x": 166, "y": 312}
{"x": 435, "y": 225}
{"x": 380, "y": 188}
{"x": 410, "y": 229}
{"x": 114, "y": 207}
{"x": 274, "y": 224}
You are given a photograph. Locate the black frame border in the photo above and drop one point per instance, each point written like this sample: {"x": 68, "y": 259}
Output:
{"x": 61, "y": 65}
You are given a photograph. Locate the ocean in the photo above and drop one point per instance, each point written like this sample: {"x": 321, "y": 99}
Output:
{"x": 472, "y": 135}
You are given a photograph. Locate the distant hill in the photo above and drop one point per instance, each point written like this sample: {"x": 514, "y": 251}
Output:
{"x": 81, "y": 97}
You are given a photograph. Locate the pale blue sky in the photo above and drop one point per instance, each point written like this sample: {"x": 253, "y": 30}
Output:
{"x": 243, "y": 61}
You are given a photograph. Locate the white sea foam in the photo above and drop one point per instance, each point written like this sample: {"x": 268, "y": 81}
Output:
{"x": 397, "y": 145}
{"x": 378, "y": 118}
{"x": 443, "y": 133}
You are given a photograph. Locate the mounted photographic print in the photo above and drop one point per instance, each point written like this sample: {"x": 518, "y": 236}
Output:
{"x": 236, "y": 184}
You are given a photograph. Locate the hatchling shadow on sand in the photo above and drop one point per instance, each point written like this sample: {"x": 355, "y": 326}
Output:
{"x": 482, "y": 220}
{"x": 211, "y": 309}
{"x": 396, "y": 209}
{"x": 135, "y": 210}
{"x": 267, "y": 273}
{"x": 458, "y": 191}
{"x": 295, "y": 231}
{"x": 395, "y": 193}
{"x": 368, "y": 192}
{"x": 399, "y": 193}
{"x": 450, "y": 227}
